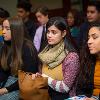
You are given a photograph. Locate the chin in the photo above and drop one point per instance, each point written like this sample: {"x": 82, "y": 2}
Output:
{"x": 91, "y": 21}
{"x": 92, "y": 52}
{"x": 50, "y": 43}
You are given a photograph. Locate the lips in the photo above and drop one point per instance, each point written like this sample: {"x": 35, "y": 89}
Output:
{"x": 49, "y": 40}
{"x": 90, "y": 48}
{"x": 89, "y": 18}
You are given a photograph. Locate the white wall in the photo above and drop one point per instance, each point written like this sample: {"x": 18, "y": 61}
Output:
{"x": 9, "y": 5}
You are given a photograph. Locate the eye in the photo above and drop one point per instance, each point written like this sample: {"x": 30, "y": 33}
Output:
{"x": 48, "y": 32}
{"x": 54, "y": 32}
{"x": 94, "y": 37}
{"x": 7, "y": 28}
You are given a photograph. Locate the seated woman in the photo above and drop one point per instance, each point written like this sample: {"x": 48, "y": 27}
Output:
{"x": 60, "y": 62}
{"x": 89, "y": 77}
{"x": 74, "y": 23}
{"x": 17, "y": 53}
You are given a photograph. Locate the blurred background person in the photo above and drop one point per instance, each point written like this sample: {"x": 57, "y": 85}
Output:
{"x": 73, "y": 21}
{"x": 92, "y": 15}
{"x": 40, "y": 40}
{"x": 24, "y": 11}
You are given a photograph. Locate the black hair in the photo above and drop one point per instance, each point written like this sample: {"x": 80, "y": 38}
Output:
{"x": 25, "y": 4}
{"x": 4, "y": 13}
{"x": 61, "y": 24}
{"x": 87, "y": 64}
{"x": 42, "y": 9}
{"x": 95, "y": 4}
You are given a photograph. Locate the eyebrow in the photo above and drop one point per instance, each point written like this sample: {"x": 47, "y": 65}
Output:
{"x": 93, "y": 34}
{"x": 6, "y": 26}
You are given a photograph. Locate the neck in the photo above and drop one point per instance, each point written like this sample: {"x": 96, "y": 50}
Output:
{"x": 46, "y": 21}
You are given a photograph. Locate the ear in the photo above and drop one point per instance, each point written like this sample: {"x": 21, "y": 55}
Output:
{"x": 64, "y": 33}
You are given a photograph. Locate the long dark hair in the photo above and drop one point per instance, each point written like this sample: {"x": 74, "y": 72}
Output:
{"x": 76, "y": 14}
{"x": 14, "y": 47}
{"x": 61, "y": 24}
{"x": 87, "y": 64}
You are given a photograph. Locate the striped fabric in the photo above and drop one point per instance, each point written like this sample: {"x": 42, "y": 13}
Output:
{"x": 11, "y": 95}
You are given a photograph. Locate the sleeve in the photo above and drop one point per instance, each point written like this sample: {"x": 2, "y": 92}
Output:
{"x": 13, "y": 87}
{"x": 30, "y": 60}
{"x": 70, "y": 70}
{"x": 3, "y": 75}
{"x": 37, "y": 39}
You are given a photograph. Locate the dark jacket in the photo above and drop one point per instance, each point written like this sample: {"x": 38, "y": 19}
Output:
{"x": 31, "y": 28}
{"x": 30, "y": 64}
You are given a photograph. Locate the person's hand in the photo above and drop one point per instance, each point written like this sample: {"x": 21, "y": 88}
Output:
{"x": 36, "y": 75}
{"x": 3, "y": 91}
{"x": 44, "y": 75}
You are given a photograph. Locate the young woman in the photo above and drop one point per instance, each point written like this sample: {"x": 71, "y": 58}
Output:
{"x": 17, "y": 53}
{"x": 60, "y": 62}
{"x": 89, "y": 76}
{"x": 73, "y": 23}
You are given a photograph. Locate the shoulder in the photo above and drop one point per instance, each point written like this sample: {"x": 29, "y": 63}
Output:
{"x": 30, "y": 22}
{"x": 40, "y": 28}
{"x": 84, "y": 25}
{"x": 71, "y": 62}
{"x": 28, "y": 47}
{"x": 71, "y": 57}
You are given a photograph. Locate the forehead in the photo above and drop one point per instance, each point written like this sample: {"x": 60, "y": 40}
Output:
{"x": 70, "y": 14}
{"x": 91, "y": 8}
{"x": 21, "y": 10}
{"x": 53, "y": 27}
{"x": 39, "y": 14}
{"x": 94, "y": 30}
{"x": 6, "y": 22}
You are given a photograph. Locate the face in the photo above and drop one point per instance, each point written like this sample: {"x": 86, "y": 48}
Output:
{"x": 70, "y": 19}
{"x": 22, "y": 13}
{"x": 6, "y": 30}
{"x": 42, "y": 19}
{"x": 54, "y": 35}
{"x": 94, "y": 40}
{"x": 92, "y": 14}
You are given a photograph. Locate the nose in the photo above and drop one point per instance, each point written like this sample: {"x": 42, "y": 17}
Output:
{"x": 49, "y": 34}
{"x": 3, "y": 31}
{"x": 88, "y": 14}
{"x": 90, "y": 40}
